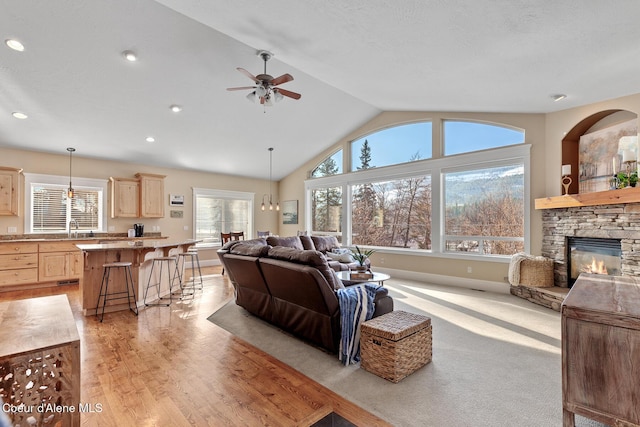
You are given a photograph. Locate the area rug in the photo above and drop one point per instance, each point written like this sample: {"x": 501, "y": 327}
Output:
{"x": 496, "y": 361}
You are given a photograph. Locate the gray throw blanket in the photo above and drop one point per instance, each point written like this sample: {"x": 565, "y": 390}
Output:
{"x": 356, "y": 306}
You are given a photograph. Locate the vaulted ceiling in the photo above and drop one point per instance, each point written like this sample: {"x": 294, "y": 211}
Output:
{"x": 350, "y": 61}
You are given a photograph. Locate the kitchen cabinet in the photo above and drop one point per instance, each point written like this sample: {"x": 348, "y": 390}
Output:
{"x": 151, "y": 195}
{"x": 59, "y": 261}
{"x": 125, "y": 197}
{"x": 139, "y": 197}
{"x": 9, "y": 190}
{"x": 18, "y": 263}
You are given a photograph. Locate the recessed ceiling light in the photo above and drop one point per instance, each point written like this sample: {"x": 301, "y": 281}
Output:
{"x": 175, "y": 108}
{"x": 558, "y": 97}
{"x": 19, "y": 115}
{"x": 130, "y": 55}
{"x": 150, "y": 139}
{"x": 15, "y": 45}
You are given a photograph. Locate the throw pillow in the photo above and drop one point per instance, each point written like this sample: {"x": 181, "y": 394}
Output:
{"x": 344, "y": 257}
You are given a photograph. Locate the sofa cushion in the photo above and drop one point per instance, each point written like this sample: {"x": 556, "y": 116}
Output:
{"x": 325, "y": 243}
{"x": 249, "y": 249}
{"x": 307, "y": 243}
{"x": 287, "y": 242}
{"x": 310, "y": 258}
{"x": 231, "y": 243}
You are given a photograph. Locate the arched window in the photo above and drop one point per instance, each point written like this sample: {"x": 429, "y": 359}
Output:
{"x": 465, "y": 137}
{"x": 332, "y": 165}
{"x": 392, "y": 146}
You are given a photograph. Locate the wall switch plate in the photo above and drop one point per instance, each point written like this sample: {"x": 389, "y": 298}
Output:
{"x": 112, "y": 228}
{"x": 186, "y": 228}
{"x": 12, "y": 229}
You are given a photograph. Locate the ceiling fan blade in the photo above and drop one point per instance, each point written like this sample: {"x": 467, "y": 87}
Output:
{"x": 241, "y": 88}
{"x": 289, "y": 93}
{"x": 282, "y": 79}
{"x": 248, "y": 74}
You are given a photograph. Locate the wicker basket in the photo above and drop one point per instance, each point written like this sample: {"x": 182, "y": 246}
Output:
{"x": 395, "y": 344}
{"x": 536, "y": 273}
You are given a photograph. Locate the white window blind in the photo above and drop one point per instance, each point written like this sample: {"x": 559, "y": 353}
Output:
{"x": 219, "y": 211}
{"x": 51, "y": 211}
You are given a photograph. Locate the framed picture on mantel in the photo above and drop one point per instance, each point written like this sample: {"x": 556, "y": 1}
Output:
{"x": 604, "y": 152}
{"x": 290, "y": 212}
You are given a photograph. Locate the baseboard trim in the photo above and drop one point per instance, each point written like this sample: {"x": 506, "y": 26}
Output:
{"x": 438, "y": 279}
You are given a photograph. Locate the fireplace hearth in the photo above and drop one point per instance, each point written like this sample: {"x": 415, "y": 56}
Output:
{"x": 592, "y": 255}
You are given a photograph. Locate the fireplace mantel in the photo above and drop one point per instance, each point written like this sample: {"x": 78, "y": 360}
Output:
{"x": 610, "y": 197}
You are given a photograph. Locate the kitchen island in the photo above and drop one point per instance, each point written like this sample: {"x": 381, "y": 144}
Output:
{"x": 139, "y": 253}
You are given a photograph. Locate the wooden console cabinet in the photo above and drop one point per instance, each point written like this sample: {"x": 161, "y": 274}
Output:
{"x": 601, "y": 350}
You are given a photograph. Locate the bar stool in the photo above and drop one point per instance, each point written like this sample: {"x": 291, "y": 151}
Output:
{"x": 192, "y": 254}
{"x": 167, "y": 261}
{"x": 125, "y": 267}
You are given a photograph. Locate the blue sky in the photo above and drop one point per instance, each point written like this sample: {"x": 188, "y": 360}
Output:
{"x": 460, "y": 137}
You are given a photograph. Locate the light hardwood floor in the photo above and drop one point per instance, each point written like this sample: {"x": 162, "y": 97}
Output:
{"x": 170, "y": 366}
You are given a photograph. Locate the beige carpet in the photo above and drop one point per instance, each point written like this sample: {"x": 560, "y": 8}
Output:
{"x": 496, "y": 361}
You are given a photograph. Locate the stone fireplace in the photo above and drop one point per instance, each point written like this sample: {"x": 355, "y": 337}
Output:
{"x": 615, "y": 222}
{"x": 592, "y": 255}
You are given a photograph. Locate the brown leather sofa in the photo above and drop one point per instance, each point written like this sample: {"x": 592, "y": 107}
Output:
{"x": 291, "y": 288}
{"x": 324, "y": 244}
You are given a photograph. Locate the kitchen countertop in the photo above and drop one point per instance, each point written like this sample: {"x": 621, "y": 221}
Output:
{"x": 22, "y": 238}
{"x": 136, "y": 244}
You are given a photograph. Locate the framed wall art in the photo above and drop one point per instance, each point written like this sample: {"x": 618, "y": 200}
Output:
{"x": 290, "y": 212}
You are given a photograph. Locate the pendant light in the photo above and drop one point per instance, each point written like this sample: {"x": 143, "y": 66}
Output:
{"x": 70, "y": 190}
{"x": 270, "y": 194}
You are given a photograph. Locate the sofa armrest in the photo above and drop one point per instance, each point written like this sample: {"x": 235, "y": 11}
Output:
{"x": 383, "y": 302}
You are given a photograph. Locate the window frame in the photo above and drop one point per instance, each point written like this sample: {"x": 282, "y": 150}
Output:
{"x": 78, "y": 183}
{"x": 222, "y": 194}
{"x": 436, "y": 167}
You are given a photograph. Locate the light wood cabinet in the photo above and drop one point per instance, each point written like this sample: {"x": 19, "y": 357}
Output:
{"x": 125, "y": 197}
{"x": 151, "y": 195}
{"x": 59, "y": 261}
{"x": 9, "y": 190}
{"x": 139, "y": 197}
{"x": 18, "y": 263}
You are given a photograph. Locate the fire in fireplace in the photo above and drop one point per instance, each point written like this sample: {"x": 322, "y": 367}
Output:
{"x": 593, "y": 255}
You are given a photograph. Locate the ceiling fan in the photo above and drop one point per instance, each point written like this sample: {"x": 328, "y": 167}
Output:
{"x": 265, "y": 90}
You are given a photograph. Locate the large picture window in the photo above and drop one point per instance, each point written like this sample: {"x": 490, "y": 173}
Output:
{"x": 219, "y": 211}
{"x": 472, "y": 204}
{"x": 392, "y": 213}
{"x": 51, "y": 211}
{"x": 326, "y": 207}
{"x": 484, "y": 210}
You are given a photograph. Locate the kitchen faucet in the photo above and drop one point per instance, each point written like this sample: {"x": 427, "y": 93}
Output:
{"x": 75, "y": 223}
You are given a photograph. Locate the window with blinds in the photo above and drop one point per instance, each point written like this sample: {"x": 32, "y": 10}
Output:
{"x": 51, "y": 211}
{"x": 218, "y": 211}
